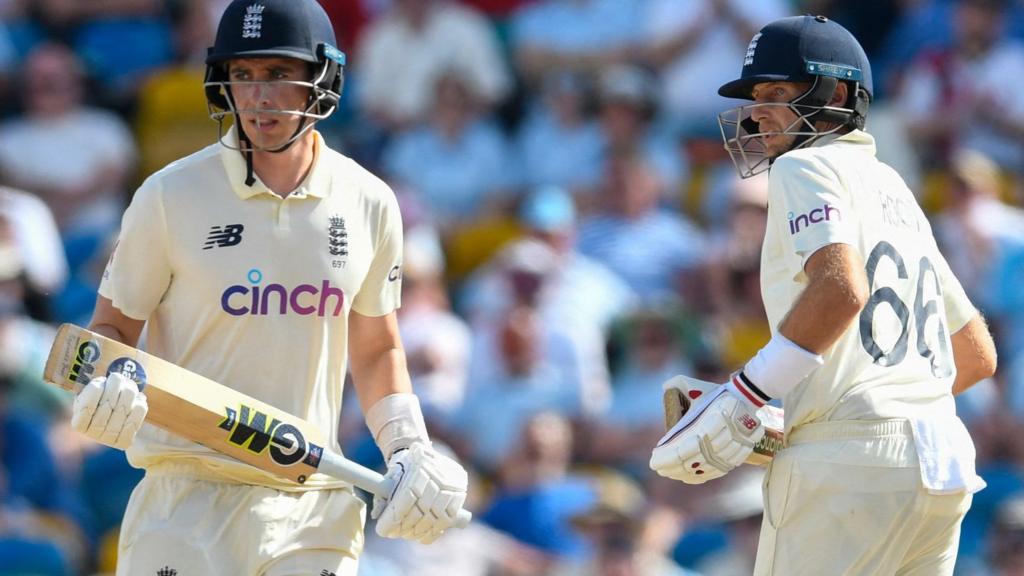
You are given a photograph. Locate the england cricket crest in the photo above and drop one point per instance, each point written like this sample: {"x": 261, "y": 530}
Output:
{"x": 252, "y": 24}
{"x": 337, "y": 240}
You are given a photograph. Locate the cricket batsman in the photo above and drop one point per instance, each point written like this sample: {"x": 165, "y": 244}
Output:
{"x": 270, "y": 263}
{"x": 872, "y": 335}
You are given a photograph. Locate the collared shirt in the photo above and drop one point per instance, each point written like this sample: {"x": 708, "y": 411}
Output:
{"x": 253, "y": 290}
{"x": 896, "y": 360}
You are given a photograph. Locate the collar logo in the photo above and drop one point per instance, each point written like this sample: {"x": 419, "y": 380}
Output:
{"x": 748, "y": 58}
{"x": 252, "y": 23}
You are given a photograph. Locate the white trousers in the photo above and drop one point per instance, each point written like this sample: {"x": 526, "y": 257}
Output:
{"x": 846, "y": 498}
{"x": 192, "y": 527}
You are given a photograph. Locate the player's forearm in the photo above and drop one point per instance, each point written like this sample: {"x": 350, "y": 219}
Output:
{"x": 381, "y": 375}
{"x": 974, "y": 354}
{"x": 824, "y": 310}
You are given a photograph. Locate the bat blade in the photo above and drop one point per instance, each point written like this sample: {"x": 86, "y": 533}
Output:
{"x": 201, "y": 410}
{"x": 681, "y": 391}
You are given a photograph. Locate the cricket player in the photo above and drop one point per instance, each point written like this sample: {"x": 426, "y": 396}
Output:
{"x": 269, "y": 263}
{"x": 871, "y": 333}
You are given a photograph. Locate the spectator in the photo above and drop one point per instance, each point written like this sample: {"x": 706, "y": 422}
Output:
{"x": 172, "y": 119}
{"x": 649, "y": 247}
{"x": 961, "y": 96}
{"x": 120, "y": 41}
{"x": 457, "y": 163}
{"x": 33, "y": 231}
{"x": 628, "y": 537}
{"x": 582, "y": 36}
{"x": 654, "y": 346}
{"x": 42, "y": 522}
{"x": 695, "y": 45}
{"x": 559, "y": 142}
{"x": 85, "y": 189}
{"x": 436, "y": 341}
{"x": 576, "y": 290}
{"x": 1007, "y": 539}
{"x": 737, "y": 509}
{"x": 518, "y": 370}
{"x": 628, "y": 107}
{"x": 977, "y": 225}
{"x": 536, "y": 494}
{"x": 404, "y": 53}
{"x": 733, "y": 288}
{"x": 24, "y": 341}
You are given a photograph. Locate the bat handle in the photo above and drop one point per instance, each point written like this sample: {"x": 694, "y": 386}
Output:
{"x": 338, "y": 466}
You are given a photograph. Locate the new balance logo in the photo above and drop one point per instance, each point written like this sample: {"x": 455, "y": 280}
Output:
{"x": 326, "y": 573}
{"x": 224, "y": 236}
{"x": 165, "y": 571}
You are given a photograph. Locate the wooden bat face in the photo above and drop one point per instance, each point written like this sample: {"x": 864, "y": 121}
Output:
{"x": 192, "y": 406}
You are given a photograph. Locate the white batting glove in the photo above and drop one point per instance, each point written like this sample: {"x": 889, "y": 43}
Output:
{"x": 110, "y": 410}
{"x": 431, "y": 490}
{"x": 713, "y": 437}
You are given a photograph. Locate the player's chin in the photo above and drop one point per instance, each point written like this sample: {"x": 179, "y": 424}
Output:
{"x": 268, "y": 136}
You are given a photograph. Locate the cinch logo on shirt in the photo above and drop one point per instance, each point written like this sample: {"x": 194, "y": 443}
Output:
{"x": 825, "y": 213}
{"x": 275, "y": 299}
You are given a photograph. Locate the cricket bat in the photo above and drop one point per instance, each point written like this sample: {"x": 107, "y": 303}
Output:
{"x": 203, "y": 411}
{"x": 681, "y": 391}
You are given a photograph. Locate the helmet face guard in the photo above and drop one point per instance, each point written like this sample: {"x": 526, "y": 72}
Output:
{"x": 298, "y": 29}
{"x": 745, "y": 143}
{"x": 324, "y": 94}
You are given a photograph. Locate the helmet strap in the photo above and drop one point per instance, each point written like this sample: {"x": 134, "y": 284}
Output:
{"x": 250, "y": 177}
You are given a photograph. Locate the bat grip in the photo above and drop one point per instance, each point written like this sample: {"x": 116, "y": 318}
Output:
{"x": 338, "y": 466}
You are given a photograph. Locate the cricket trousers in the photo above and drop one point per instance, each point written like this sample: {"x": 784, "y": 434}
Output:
{"x": 846, "y": 498}
{"x": 184, "y": 526}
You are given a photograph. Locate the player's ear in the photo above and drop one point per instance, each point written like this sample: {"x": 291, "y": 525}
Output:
{"x": 840, "y": 94}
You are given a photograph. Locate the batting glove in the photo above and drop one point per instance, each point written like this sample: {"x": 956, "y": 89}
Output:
{"x": 430, "y": 491}
{"x": 110, "y": 410}
{"x": 717, "y": 434}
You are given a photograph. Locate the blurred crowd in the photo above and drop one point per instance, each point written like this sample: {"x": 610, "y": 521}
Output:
{"x": 575, "y": 235}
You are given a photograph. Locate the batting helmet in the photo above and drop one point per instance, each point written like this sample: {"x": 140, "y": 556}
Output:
{"x": 277, "y": 28}
{"x": 808, "y": 49}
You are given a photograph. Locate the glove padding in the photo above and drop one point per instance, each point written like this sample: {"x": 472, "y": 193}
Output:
{"x": 713, "y": 437}
{"x": 110, "y": 410}
{"x": 430, "y": 491}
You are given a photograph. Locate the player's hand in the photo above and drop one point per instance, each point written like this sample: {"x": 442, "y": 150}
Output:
{"x": 110, "y": 410}
{"x": 430, "y": 491}
{"x": 714, "y": 436}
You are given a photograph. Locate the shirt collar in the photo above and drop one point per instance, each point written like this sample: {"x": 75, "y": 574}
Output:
{"x": 317, "y": 182}
{"x": 855, "y": 138}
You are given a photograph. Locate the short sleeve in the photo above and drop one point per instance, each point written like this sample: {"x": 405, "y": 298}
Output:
{"x": 381, "y": 291}
{"x": 815, "y": 204}
{"x": 959, "y": 309}
{"x": 139, "y": 271}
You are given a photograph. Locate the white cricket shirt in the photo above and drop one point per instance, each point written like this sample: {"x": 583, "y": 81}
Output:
{"x": 254, "y": 291}
{"x": 896, "y": 359}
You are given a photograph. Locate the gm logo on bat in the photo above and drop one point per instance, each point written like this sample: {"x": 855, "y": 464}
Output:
{"x": 84, "y": 365}
{"x": 287, "y": 446}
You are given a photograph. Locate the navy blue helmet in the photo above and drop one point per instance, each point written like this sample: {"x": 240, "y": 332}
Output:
{"x": 806, "y": 49}
{"x": 801, "y": 49}
{"x": 297, "y": 29}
